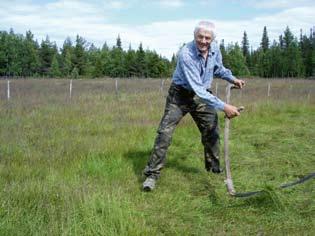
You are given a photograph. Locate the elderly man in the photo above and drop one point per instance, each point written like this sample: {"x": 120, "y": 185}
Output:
{"x": 198, "y": 61}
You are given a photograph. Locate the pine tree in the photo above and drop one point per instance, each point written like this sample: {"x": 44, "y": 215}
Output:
{"x": 105, "y": 47}
{"x": 287, "y": 38}
{"x": 105, "y": 60}
{"x": 265, "y": 40}
{"x": 75, "y": 73}
{"x": 3, "y": 54}
{"x": 245, "y": 49}
{"x": 46, "y": 52}
{"x": 306, "y": 52}
{"x": 312, "y": 38}
{"x": 30, "y": 59}
{"x": 93, "y": 54}
{"x": 99, "y": 67}
{"x": 236, "y": 60}
{"x": 131, "y": 63}
{"x": 67, "y": 46}
{"x": 55, "y": 70}
{"x": 154, "y": 65}
{"x": 292, "y": 54}
{"x": 118, "y": 42}
{"x": 173, "y": 62}
{"x": 79, "y": 59}
{"x": 225, "y": 58}
{"x": 117, "y": 60}
{"x": 140, "y": 61}
{"x": 67, "y": 63}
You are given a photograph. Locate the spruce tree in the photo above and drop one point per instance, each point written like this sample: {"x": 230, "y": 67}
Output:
{"x": 225, "y": 58}
{"x": 55, "y": 70}
{"x": 245, "y": 49}
{"x": 30, "y": 60}
{"x": 75, "y": 73}
{"x": 131, "y": 69}
{"x": 306, "y": 52}
{"x": 46, "y": 52}
{"x": 99, "y": 67}
{"x": 117, "y": 62}
{"x": 118, "y": 42}
{"x": 67, "y": 63}
{"x": 105, "y": 47}
{"x": 288, "y": 38}
{"x": 237, "y": 60}
{"x": 79, "y": 59}
{"x": 67, "y": 46}
{"x": 3, "y": 57}
{"x": 265, "y": 40}
{"x": 292, "y": 55}
{"x": 154, "y": 65}
{"x": 140, "y": 61}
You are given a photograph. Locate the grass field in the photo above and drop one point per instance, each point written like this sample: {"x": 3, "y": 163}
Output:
{"x": 74, "y": 166}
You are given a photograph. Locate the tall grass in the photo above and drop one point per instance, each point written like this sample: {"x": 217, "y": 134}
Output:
{"x": 74, "y": 167}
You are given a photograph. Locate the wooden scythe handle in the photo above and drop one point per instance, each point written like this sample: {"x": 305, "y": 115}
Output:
{"x": 228, "y": 181}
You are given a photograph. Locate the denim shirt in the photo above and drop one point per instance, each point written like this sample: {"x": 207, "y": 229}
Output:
{"x": 195, "y": 73}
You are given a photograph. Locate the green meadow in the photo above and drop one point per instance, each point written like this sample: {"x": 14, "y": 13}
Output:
{"x": 73, "y": 166}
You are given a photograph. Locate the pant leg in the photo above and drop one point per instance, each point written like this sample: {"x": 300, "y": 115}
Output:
{"x": 175, "y": 110}
{"x": 206, "y": 118}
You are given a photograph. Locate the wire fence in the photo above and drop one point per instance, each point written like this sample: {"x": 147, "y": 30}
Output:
{"x": 67, "y": 89}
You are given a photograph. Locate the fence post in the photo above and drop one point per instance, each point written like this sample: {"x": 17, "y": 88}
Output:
{"x": 268, "y": 94}
{"x": 116, "y": 86}
{"x": 162, "y": 85}
{"x": 70, "y": 89}
{"x": 8, "y": 89}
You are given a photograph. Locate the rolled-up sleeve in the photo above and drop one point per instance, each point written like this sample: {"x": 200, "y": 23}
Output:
{"x": 191, "y": 72}
{"x": 220, "y": 71}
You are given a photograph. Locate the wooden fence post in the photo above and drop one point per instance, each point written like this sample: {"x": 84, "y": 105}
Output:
{"x": 8, "y": 89}
{"x": 70, "y": 89}
{"x": 116, "y": 86}
{"x": 162, "y": 85}
{"x": 268, "y": 93}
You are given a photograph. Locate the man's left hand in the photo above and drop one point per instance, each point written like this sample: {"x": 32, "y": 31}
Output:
{"x": 239, "y": 83}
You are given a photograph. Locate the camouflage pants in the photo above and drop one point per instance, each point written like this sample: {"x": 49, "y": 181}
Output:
{"x": 179, "y": 102}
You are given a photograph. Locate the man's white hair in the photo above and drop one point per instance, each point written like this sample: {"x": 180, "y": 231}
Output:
{"x": 206, "y": 25}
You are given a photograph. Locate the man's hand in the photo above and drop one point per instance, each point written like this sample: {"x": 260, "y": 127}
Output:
{"x": 230, "y": 111}
{"x": 239, "y": 83}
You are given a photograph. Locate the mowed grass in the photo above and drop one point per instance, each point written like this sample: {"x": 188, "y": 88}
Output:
{"x": 74, "y": 167}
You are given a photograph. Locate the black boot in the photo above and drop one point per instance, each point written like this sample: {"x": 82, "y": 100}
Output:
{"x": 213, "y": 166}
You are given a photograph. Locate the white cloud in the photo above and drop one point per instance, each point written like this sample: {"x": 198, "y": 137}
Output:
{"x": 69, "y": 18}
{"x": 277, "y": 4}
{"x": 115, "y": 5}
{"x": 171, "y": 3}
{"x": 169, "y": 36}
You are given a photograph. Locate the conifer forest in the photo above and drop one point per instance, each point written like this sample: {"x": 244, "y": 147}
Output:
{"x": 22, "y": 55}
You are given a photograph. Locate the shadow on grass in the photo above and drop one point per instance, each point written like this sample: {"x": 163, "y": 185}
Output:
{"x": 178, "y": 165}
{"x": 139, "y": 159}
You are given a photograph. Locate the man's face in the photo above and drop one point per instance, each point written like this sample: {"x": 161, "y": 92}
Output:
{"x": 203, "y": 39}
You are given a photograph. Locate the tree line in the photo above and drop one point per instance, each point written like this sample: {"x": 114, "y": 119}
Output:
{"x": 23, "y": 56}
{"x": 287, "y": 57}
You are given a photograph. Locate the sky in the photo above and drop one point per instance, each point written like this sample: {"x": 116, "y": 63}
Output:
{"x": 160, "y": 25}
